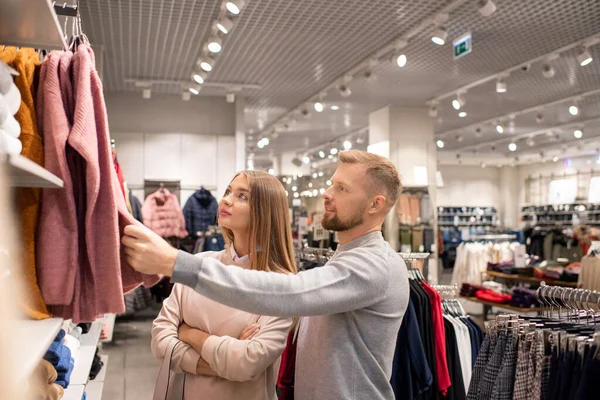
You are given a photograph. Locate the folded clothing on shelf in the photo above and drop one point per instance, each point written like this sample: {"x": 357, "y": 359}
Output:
{"x": 491, "y": 296}
{"x": 64, "y": 376}
{"x": 495, "y": 286}
{"x": 503, "y": 267}
{"x": 469, "y": 290}
{"x": 523, "y": 298}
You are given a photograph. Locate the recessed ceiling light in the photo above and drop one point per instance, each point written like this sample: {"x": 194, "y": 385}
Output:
{"x": 440, "y": 144}
{"x": 401, "y": 60}
{"x": 512, "y": 147}
{"x": 462, "y": 114}
{"x": 578, "y": 133}
{"x": 234, "y": 6}
{"x": 499, "y": 128}
{"x": 319, "y": 106}
{"x": 335, "y": 108}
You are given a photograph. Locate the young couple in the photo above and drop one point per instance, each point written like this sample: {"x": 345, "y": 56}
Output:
{"x": 235, "y": 310}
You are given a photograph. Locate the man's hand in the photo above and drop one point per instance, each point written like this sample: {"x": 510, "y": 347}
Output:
{"x": 147, "y": 252}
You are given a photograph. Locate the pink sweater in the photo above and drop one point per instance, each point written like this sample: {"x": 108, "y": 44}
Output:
{"x": 80, "y": 268}
{"x": 247, "y": 369}
{"x": 162, "y": 214}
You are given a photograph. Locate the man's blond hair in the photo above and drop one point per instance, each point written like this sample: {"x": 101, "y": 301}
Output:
{"x": 382, "y": 172}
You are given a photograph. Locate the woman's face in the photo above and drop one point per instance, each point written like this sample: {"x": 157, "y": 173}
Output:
{"x": 234, "y": 207}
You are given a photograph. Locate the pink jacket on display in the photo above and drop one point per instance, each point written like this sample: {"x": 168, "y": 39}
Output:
{"x": 162, "y": 214}
{"x": 80, "y": 266}
{"x": 247, "y": 369}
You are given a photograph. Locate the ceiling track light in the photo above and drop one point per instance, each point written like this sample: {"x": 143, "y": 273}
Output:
{"x": 215, "y": 44}
{"x": 578, "y": 133}
{"x": 584, "y": 57}
{"x": 347, "y": 145}
{"x": 486, "y": 7}
{"x": 574, "y": 109}
{"x": 439, "y": 36}
{"x": 400, "y": 59}
{"x": 224, "y": 25}
{"x": 344, "y": 90}
{"x": 235, "y": 6}
{"x": 195, "y": 89}
{"x": 199, "y": 77}
{"x": 501, "y": 86}
{"x": 548, "y": 71}
{"x": 459, "y": 102}
{"x": 433, "y": 110}
{"x": 512, "y": 147}
{"x": 440, "y": 144}
{"x": 499, "y": 127}
{"x": 205, "y": 63}
{"x": 319, "y": 106}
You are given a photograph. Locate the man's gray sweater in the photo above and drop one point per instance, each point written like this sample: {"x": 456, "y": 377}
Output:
{"x": 354, "y": 304}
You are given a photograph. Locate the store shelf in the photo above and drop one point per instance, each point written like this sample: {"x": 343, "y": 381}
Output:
{"x": 85, "y": 355}
{"x": 466, "y": 215}
{"x": 505, "y": 306}
{"x": 30, "y": 23}
{"x": 93, "y": 390}
{"x": 102, "y": 374}
{"x": 25, "y": 173}
{"x": 74, "y": 392}
{"x": 531, "y": 279}
{"x": 110, "y": 328}
{"x": 33, "y": 339}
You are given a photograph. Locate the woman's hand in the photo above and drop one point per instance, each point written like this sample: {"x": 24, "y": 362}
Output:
{"x": 186, "y": 333}
{"x": 249, "y": 332}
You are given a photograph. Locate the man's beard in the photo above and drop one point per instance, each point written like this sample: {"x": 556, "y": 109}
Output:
{"x": 337, "y": 225}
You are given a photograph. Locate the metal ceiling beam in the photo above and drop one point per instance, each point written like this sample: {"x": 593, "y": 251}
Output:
{"x": 589, "y": 41}
{"x": 228, "y": 86}
{"x": 504, "y": 117}
{"x": 505, "y": 139}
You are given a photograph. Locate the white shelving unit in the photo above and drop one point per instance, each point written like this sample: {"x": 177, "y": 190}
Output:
{"x": 30, "y": 23}
{"x": 110, "y": 326}
{"x": 25, "y": 173}
{"x": 83, "y": 364}
{"x": 33, "y": 338}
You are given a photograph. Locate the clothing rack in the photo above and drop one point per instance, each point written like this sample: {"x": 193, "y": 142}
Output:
{"x": 573, "y": 300}
{"x": 494, "y": 237}
{"x": 316, "y": 254}
{"x": 142, "y": 187}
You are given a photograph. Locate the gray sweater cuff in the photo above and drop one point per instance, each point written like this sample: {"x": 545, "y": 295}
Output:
{"x": 186, "y": 269}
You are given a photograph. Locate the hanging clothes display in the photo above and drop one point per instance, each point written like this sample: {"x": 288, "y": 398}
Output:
{"x": 538, "y": 358}
{"x": 161, "y": 213}
{"x": 589, "y": 277}
{"x": 136, "y": 207}
{"x": 80, "y": 263}
{"x": 200, "y": 211}
{"x": 472, "y": 260}
{"x": 437, "y": 344}
{"x": 27, "y": 62}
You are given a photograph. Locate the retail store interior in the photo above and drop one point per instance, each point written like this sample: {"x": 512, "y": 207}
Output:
{"x": 131, "y": 112}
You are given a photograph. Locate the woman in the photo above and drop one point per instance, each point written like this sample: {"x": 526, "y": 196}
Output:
{"x": 227, "y": 353}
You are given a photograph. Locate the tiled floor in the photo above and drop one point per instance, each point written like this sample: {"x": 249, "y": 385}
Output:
{"x": 132, "y": 369}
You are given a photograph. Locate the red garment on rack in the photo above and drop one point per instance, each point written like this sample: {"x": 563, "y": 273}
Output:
{"x": 439, "y": 332}
{"x": 287, "y": 369}
{"x": 81, "y": 265}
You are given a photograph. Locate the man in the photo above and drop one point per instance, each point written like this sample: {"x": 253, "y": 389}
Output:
{"x": 355, "y": 303}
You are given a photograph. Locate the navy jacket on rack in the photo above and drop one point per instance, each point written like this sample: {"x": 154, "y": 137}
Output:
{"x": 200, "y": 211}
{"x": 411, "y": 375}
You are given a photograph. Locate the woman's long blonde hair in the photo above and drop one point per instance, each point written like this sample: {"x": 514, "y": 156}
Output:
{"x": 270, "y": 231}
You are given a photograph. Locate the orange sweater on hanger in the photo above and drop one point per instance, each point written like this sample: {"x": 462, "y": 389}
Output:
{"x": 27, "y": 62}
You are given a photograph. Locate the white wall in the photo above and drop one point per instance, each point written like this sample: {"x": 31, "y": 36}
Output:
{"x": 195, "y": 160}
{"x": 469, "y": 186}
{"x": 128, "y": 112}
{"x": 165, "y": 138}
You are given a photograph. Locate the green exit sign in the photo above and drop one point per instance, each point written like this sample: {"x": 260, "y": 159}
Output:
{"x": 462, "y": 46}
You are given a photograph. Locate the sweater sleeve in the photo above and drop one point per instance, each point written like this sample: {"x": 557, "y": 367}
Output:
{"x": 244, "y": 360}
{"x": 351, "y": 280}
{"x": 165, "y": 328}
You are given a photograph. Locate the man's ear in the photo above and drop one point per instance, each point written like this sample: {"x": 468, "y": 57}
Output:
{"x": 377, "y": 204}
